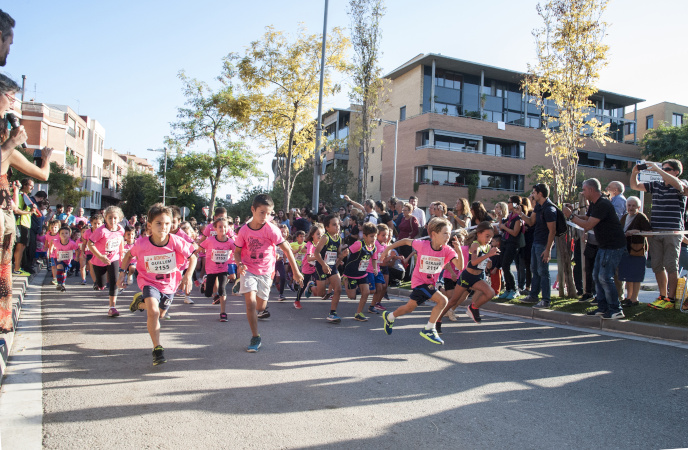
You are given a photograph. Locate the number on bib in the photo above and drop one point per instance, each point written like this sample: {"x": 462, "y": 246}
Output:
{"x": 330, "y": 258}
{"x": 64, "y": 255}
{"x": 363, "y": 265}
{"x": 112, "y": 245}
{"x": 431, "y": 264}
{"x": 220, "y": 256}
{"x": 160, "y": 264}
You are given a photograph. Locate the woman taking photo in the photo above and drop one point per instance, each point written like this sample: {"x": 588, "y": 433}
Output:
{"x": 12, "y": 158}
{"x": 512, "y": 240}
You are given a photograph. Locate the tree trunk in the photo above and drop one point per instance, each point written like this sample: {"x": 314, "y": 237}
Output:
{"x": 567, "y": 287}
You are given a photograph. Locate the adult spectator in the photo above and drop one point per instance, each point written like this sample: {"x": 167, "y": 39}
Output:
{"x": 382, "y": 214}
{"x": 512, "y": 240}
{"x": 124, "y": 222}
{"x": 283, "y": 219}
{"x": 417, "y": 212}
{"x": 7, "y": 24}
{"x": 632, "y": 266}
{"x": 616, "y": 190}
{"x": 438, "y": 209}
{"x": 368, "y": 206}
{"x": 23, "y": 211}
{"x": 393, "y": 207}
{"x": 12, "y": 158}
{"x": 478, "y": 213}
{"x": 603, "y": 220}
{"x": 461, "y": 216}
{"x": 525, "y": 275}
{"x": 544, "y": 220}
{"x": 399, "y": 208}
{"x": 408, "y": 228}
{"x": 668, "y": 207}
{"x": 39, "y": 199}
{"x": 70, "y": 216}
{"x": 62, "y": 213}
{"x": 302, "y": 224}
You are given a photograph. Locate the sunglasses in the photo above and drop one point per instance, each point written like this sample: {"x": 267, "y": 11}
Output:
{"x": 667, "y": 169}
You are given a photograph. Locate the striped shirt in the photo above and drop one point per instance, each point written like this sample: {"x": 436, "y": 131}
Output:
{"x": 668, "y": 206}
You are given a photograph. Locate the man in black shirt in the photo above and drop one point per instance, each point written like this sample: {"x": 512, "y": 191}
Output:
{"x": 612, "y": 246}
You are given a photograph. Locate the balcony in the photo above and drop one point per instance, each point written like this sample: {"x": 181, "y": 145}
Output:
{"x": 111, "y": 193}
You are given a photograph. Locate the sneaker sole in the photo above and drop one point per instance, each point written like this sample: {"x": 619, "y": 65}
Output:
{"x": 252, "y": 350}
{"x": 334, "y": 320}
{"x": 470, "y": 315}
{"x": 364, "y": 319}
{"x": 428, "y": 338}
{"x": 160, "y": 361}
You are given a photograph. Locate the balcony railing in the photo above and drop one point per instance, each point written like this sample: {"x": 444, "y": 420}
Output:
{"x": 455, "y": 148}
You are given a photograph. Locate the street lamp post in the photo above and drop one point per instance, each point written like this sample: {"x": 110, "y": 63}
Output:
{"x": 164, "y": 178}
{"x": 396, "y": 137}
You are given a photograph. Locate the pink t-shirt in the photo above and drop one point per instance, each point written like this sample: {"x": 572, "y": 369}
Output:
{"x": 48, "y": 239}
{"x": 40, "y": 243}
{"x": 85, "y": 236}
{"x": 379, "y": 248}
{"x": 108, "y": 243}
{"x": 182, "y": 234}
{"x": 65, "y": 252}
{"x": 430, "y": 262}
{"x": 308, "y": 267}
{"x": 218, "y": 254}
{"x": 258, "y": 247}
{"x": 159, "y": 266}
{"x": 209, "y": 230}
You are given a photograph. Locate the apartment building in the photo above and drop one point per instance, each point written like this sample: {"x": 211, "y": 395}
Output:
{"x": 652, "y": 116}
{"x": 336, "y": 134}
{"x": 114, "y": 170}
{"x": 93, "y": 173}
{"x": 458, "y": 119}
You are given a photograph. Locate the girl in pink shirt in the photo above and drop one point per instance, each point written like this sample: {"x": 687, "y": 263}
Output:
{"x": 160, "y": 257}
{"x": 107, "y": 245}
{"x": 64, "y": 250}
{"x": 219, "y": 251}
{"x": 129, "y": 239}
{"x": 308, "y": 264}
{"x": 52, "y": 235}
{"x": 86, "y": 255}
{"x": 379, "y": 282}
{"x": 433, "y": 254}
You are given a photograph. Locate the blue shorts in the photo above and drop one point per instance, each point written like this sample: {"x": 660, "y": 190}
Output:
{"x": 164, "y": 300}
{"x": 231, "y": 269}
{"x": 52, "y": 262}
{"x": 375, "y": 279}
{"x": 422, "y": 293}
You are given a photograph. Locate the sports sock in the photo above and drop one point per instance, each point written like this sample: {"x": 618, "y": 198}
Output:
{"x": 390, "y": 317}
{"x": 430, "y": 326}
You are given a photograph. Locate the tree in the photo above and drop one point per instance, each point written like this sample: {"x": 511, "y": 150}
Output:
{"x": 667, "y": 142}
{"x": 280, "y": 83}
{"x": 570, "y": 55}
{"x": 202, "y": 120}
{"x": 366, "y": 36}
{"x": 140, "y": 190}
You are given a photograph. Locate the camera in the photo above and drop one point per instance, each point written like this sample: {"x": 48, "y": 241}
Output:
{"x": 641, "y": 164}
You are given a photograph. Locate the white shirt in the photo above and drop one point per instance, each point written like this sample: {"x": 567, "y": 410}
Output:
{"x": 420, "y": 215}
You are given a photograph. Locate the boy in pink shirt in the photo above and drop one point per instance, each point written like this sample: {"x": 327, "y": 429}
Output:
{"x": 219, "y": 251}
{"x": 255, "y": 259}
{"x": 107, "y": 244}
{"x": 52, "y": 235}
{"x": 433, "y": 255}
{"x": 160, "y": 257}
{"x": 86, "y": 255}
{"x": 129, "y": 239}
{"x": 64, "y": 251}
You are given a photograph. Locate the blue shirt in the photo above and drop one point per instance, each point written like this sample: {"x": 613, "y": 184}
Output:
{"x": 619, "y": 204}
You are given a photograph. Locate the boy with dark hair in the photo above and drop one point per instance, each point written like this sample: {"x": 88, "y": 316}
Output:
{"x": 7, "y": 24}
{"x": 255, "y": 260}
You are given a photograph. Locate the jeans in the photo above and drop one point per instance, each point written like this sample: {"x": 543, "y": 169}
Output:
{"x": 683, "y": 259}
{"x": 509, "y": 254}
{"x": 606, "y": 263}
{"x": 541, "y": 280}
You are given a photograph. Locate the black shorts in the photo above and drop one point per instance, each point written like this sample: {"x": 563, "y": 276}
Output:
{"x": 422, "y": 293}
{"x": 23, "y": 235}
{"x": 164, "y": 300}
{"x": 467, "y": 280}
{"x": 449, "y": 284}
{"x": 322, "y": 276}
{"x": 353, "y": 283}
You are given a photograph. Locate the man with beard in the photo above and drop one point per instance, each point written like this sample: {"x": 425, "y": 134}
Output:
{"x": 6, "y": 36}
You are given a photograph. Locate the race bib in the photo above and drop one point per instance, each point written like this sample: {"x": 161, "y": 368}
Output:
{"x": 162, "y": 264}
{"x": 220, "y": 256}
{"x": 483, "y": 264}
{"x": 112, "y": 245}
{"x": 64, "y": 255}
{"x": 330, "y": 258}
{"x": 430, "y": 264}
{"x": 363, "y": 265}
{"x": 299, "y": 256}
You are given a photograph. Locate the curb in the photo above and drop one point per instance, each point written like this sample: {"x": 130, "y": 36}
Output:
{"x": 19, "y": 288}
{"x": 643, "y": 329}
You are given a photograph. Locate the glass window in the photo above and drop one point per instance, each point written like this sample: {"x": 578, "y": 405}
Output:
{"x": 649, "y": 122}
{"x": 676, "y": 120}
{"x": 402, "y": 113}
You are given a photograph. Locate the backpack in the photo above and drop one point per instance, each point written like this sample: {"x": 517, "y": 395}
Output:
{"x": 561, "y": 227}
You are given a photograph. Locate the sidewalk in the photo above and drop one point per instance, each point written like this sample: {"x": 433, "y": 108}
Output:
{"x": 20, "y": 285}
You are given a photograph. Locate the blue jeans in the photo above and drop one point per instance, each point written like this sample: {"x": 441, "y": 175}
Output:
{"x": 683, "y": 259}
{"x": 606, "y": 263}
{"x": 540, "y": 269}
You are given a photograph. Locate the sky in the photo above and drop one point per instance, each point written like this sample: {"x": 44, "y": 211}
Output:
{"x": 117, "y": 61}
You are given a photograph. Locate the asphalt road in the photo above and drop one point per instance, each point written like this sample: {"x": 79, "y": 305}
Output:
{"x": 501, "y": 384}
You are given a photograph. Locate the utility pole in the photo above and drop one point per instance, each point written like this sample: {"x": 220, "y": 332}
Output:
{"x": 318, "y": 127}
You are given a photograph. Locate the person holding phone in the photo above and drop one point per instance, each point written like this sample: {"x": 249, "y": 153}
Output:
{"x": 512, "y": 239}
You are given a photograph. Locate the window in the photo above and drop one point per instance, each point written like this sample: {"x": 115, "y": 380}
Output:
{"x": 371, "y": 178}
{"x": 373, "y": 150}
{"x": 402, "y": 113}
{"x": 649, "y": 122}
{"x": 629, "y": 128}
{"x": 456, "y": 144}
{"x": 676, "y": 120}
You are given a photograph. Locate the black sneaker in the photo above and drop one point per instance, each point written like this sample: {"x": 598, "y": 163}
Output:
{"x": 95, "y": 287}
{"x": 586, "y": 297}
{"x": 216, "y": 299}
{"x": 62, "y": 288}
{"x": 596, "y": 312}
{"x": 438, "y": 327}
{"x": 473, "y": 313}
{"x": 264, "y": 314}
{"x": 159, "y": 355}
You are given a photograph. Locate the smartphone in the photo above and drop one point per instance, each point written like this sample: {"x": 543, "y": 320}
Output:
{"x": 515, "y": 205}
{"x": 641, "y": 164}
{"x": 341, "y": 196}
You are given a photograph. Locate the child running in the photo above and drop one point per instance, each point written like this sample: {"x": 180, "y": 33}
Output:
{"x": 52, "y": 235}
{"x": 433, "y": 255}
{"x": 129, "y": 238}
{"x": 298, "y": 248}
{"x": 255, "y": 259}
{"x": 473, "y": 276}
{"x": 308, "y": 266}
{"x": 218, "y": 251}
{"x": 377, "y": 282}
{"x": 160, "y": 257}
{"x": 64, "y": 249}
{"x": 359, "y": 258}
{"x": 86, "y": 255}
{"x": 107, "y": 245}
{"x": 326, "y": 261}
